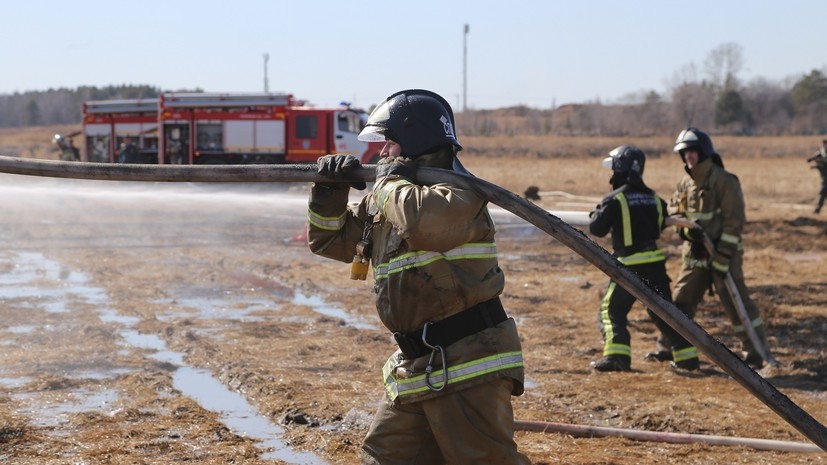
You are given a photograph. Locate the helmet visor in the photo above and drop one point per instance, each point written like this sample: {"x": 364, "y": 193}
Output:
{"x": 372, "y": 134}
{"x": 377, "y": 124}
{"x": 608, "y": 162}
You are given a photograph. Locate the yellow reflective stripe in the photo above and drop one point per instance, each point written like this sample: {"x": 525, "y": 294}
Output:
{"x": 617, "y": 349}
{"x": 720, "y": 266}
{"x": 329, "y": 223}
{"x": 660, "y": 211}
{"x": 685, "y": 354}
{"x": 385, "y": 192}
{"x": 608, "y": 330}
{"x": 730, "y": 239}
{"x": 396, "y": 387}
{"x": 695, "y": 263}
{"x": 755, "y": 323}
{"x": 639, "y": 258}
{"x": 469, "y": 251}
{"x": 625, "y": 218}
{"x": 701, "y": 216}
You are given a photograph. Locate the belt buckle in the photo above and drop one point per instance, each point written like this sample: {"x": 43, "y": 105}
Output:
{"x": 409, "y": 346}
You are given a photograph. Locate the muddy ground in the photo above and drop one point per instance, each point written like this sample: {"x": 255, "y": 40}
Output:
{"x": 157, "y": 324}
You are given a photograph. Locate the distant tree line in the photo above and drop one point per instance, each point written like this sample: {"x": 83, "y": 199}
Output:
{"x": 718, "y": 102}
{"x": 62, "y": 106}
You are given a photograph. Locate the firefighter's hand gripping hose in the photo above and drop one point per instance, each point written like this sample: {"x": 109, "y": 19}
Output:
{"x": 545, "y": 221}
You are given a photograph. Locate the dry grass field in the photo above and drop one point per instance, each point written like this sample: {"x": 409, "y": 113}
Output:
{"x": 133, "y": 317}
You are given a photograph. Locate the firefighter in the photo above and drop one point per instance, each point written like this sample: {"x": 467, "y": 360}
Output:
{"x": 634, "y": 214}
{"x": 819, "y": 161}
{"x": 128, "y": 153}
{"x": 68, "y": 151}
{"x": 437, "y": 284}
{"x": 712, "y": 197}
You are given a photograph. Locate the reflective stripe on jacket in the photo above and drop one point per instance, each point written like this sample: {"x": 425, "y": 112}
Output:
{"x": 635, "y": 216}
{"x": 433, "y": 255}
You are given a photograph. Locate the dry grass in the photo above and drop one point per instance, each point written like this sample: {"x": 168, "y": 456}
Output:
{"x": 770, "y": 169}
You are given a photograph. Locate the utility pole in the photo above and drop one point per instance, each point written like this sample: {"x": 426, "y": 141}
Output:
{"x": 465, "y": 69}
{"x": 266, "y": 84}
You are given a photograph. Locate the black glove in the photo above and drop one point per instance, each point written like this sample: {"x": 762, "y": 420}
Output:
{"x": 695, "y": 234}
{"x": 397, "y": 166}
{"x": 339, "y": 167}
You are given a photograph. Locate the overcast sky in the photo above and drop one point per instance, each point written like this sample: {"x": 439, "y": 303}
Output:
{"x": 538, "y": 53}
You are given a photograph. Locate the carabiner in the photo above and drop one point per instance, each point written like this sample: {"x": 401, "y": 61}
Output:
{"x": 430, "y": 367}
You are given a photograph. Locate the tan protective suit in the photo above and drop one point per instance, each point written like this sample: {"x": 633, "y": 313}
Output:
{"x": 712, "y": 197}
{"x": 433, "y": 255}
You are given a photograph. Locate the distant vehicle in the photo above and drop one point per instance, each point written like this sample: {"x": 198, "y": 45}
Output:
{"x": 108, "y": 123}
{"x": 216, "y": 128}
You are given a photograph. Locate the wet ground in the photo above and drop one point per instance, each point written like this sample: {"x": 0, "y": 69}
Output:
{"x": 158, "y": 323}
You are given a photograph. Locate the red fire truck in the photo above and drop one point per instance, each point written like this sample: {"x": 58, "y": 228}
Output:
{"x": 214, "y": 128}
{"x": 109, "y": 123}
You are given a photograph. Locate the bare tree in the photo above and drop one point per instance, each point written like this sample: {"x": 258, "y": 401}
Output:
{"x": 770, "y": 105}
{"x": 723, "y": 64}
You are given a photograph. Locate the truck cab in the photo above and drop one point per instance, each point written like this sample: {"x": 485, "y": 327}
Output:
{"x": 317, "y": 132}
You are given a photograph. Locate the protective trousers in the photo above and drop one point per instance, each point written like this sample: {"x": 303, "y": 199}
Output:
{"x": 693, "y": 282}
{"x": 822, "y": 194}
{"x": 472, "y": 426}
{"x": 617, "y": 303}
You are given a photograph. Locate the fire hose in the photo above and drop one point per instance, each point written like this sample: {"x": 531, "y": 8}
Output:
{"x": 589, "y": 431}
{"x": 576, "y": 240}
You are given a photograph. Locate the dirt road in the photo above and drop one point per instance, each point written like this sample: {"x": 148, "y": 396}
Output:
{"x": 156, "y": 324}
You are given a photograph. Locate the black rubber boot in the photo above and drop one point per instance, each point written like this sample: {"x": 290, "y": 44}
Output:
{"x": 754, "y": 360}
{"x": 613, "y": 363}
{"x": 659, "y": 356}
{"x": 692, "y": 364}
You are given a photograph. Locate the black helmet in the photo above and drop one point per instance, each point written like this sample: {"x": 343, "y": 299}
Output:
{"x": 418, "y": 120}
{"x": 625, "y": 159}
{"x": 694, "y": 138}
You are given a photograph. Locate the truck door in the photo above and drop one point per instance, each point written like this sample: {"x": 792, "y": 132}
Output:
{"x": 307, "y": 135}
{"x": 346, "y": 129}
{"x": 98, "y": 145}
{"x": 177, "y": 143}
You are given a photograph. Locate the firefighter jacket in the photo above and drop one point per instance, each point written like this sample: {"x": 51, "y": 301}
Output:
{"x": 711, "y": 197}
{"x": 433, "y": 255}
{"x": 635, "y": 215}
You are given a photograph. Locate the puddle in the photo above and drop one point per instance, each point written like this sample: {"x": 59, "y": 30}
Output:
{"x": 238, "y": 414}
{"x": 11, "y": 383}
{"x": 21, "y": 329}
{"x": 50, "y": 286}
{"x": 320, "y": 306}
{"x": 211, "y": 394}
{"x": 222, "y": 305}
{"x": 52, "y": 409}
{"x": 228, "y": 305}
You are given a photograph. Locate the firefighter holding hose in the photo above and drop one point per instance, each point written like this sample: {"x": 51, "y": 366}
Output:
{"x": 437, "y": 283}
{"x": 712, "y": 197}
{"x": 635, "y": 215}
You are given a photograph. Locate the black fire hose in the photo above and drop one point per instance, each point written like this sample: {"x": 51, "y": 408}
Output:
{"x": 552, "y": 225}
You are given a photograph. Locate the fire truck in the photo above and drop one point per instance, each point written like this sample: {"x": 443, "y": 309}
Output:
{"x": 110, "y": 124}
{"x": 220, "y": 128}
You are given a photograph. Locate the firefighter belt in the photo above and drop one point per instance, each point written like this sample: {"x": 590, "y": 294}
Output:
{"x": 445, "y": 332}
